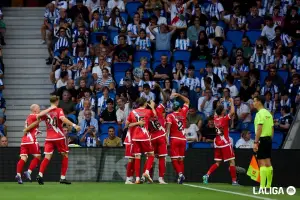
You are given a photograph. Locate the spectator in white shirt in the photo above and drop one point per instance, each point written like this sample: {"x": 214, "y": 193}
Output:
{"x": 233, "y": 89}
{"x": 100, "y": 64}
{"x": 160, "y": 19}
{"x": 147, "y": 94}
{"x": 215, "y": 9}
{"x": 205, "y": 103}
{"x": 116, "y": 3}
{"x": 123, "y": 110}
{"x": 242, "y": 110}
{"x": 64, "y": 77}
{"x": 92, "y": 4}
{"x": 245, "y": 142}
{"x": 269, "y": 29}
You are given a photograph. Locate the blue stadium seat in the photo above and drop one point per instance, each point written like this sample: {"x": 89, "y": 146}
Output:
{"x": 202, "y": 145}
{"x": 103, "y": 137}
{"x": 95, "y": 35}
{"x": 228, "y": 45}
{"x": 124, "y": 15}
{"x": 251, "y": 127}
{"x": 73, "y": 118}
{"x": 235, "y": 135}
{"x": 118, "y": 76}
{"x": 199, "y": 64}
{"x": 155, "y": 64}
{"x": 235, "y": 37}
{"x": 253, "y": 35}
{"x": 157, "y": 54}
{"x": 277, "y": 140}
{"x": 277, "y": 115}
{"x": 182, "y": 55}
{"x": 283, "y": 74}
{"x": 121, "y": 67}
{"x": 132, "y": 7}
{"x": 112, "y": 34}
{"x": 237, "y": 83}
{"x": 263, "y": 75}
{"x": 139, "y": 54}
{"x": 175, "y": 85}
{"x": 197, "y": 74}
{"x": 103, "y": 129}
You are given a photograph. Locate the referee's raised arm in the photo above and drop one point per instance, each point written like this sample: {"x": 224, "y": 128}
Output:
{"x": 264, "y": 131}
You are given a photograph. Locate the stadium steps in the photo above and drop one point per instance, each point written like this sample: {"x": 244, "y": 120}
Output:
{"x": 26, "y": 74}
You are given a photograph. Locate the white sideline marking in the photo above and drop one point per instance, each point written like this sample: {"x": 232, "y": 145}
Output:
{"x": 229, "y": 192}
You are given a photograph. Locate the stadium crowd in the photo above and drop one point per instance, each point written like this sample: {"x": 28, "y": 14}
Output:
{"x": 104, "y": 55}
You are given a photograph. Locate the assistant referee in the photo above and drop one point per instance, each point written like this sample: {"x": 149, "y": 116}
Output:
{"x": 264, "y": 131}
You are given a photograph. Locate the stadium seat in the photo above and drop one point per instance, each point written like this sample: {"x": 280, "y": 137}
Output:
{"x": 155, "y": 64}
{"x": 235, "y": 37}
{"x": 139, "y": 54}
{"x": 182, "y": 55}
{"x": 277, "y": 115}
{"x": 197, "y": 74}
{"x": 103, "y": 129}
{"x": 199, "y": 64}
{"x": 73, "y": 118}
{"x": 124, "y": 15}
{"x": 235, "y": 135}
{"x": 202, "y": 145}
{"x": 237, "y": 83}
{"x": 95, "y": 35}
{"x": 157, "y": 54}
{"x": 263, "y": 75}
{"x": 131, "y": 7}
{"x": 103, "y": 137}
{"x": 277, "y": 140}
{"x": 118, "y": 76}
{"x": 228, "y": 45}
{"x": 112, "y": 34}
{"x": 121, "y": 67}
{"x": 253, "y": 35}
{"x": 176, "y": 85}
{"x": 283, "y": 74}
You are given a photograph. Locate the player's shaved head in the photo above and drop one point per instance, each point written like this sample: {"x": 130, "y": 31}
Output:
{"x": 35, "y": 108}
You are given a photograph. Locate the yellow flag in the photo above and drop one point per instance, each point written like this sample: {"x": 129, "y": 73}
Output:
{"x": 253, "y": 170}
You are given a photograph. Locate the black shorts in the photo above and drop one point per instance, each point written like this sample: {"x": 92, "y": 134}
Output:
{"x": 264, "y": 148}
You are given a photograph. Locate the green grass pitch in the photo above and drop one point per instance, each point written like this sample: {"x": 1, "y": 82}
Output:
{"x": 114, "y": 191}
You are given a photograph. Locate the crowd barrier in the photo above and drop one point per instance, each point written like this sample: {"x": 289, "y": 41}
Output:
{"x": 109, "y": 165}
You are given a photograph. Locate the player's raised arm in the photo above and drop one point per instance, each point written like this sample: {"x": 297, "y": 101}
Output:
{"x": 68, "y": 122}
{"x": 186, "y": 100}
{"x": 164, "y": 96}
{"x": 44, "y": 112}
{"x": 152, "y": 106}
{"x": 232, "y": 109}
{"x": 31, "y": 126}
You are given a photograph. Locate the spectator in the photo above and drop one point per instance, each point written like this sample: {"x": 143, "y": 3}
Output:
{"x": 219, "y": 69}
{"x": 285, "y": 121}
{"x": 89, "y": 129}
{"x": 98, "y": 24}
{"x": 123, "y": 110}
{"x": 225, "y": 100}
{"x": 215, "y": 9}
{"x": 122, "y": 31}
{"x": 259, "y": 60}
{"x": 278, "y": 60}
{"x": 216, "y": 83}
{"x": 194, "y": 118}
{"x": 100, "y": 64}
{"x": 269, "y": 87}
{"x": 70, "y": 87}
{"x": 87, "y": 96}
{"x": 194, "y": 31}
{"x": 62, "y": 58}
{"x": 205, "y": 103}
{"x": 157, "y": 13}
{"x": 276, "y": 79}
{"x": 67, "y": 104}
{"x": 109, "y": 113}
{"x": 285, "y": 100}
{"x": 102, "y": 101}
{"x": 79, "y": 10}
{"x": 238, "y": 19}
{"x": 123, "y": 52}
{"x": 112, "y": 140}
{"x": 239, "y": 69}
{"x": 163, "y": 37}
{"x": 51, "y": 13}
{"x": 190, "y": 80}
{"x": 285, "y": 38}
{"x": 116, "y": 21}
{"x": 247, "y": 48}
{"x": 58, "y": 72}
{"x": 64, "y": 77}
{"x": 192, "y": 133}
{"x": 147, "y": 79}
{"x": 81, "y": 52}
{"x": 179, "y": 70}
{"x": 147, "y": 94}
{"x": 254, "y": 21}
{"x": 139, "y": 71}
{"x": 209, "y": 130}
{"x": 92, "y": 4}
{"x": 164, "y": 70}
{"x": 292, "y": 22}
{"x": 242, "y": 111}
{"x": 3, "y": 141}
{"x": 277, "y": 18}
{"x": 105, "y": 81}
{"x": 116, "y": 3}
{"x": 270, "y": 104}
{"x": 294, "y": 87}
{"x": 230, "y": 85}
{"x": 183, "y": 42}
{"x": 143, "y": 42}
{"x": 245, "y": 142}
{"x": 135, "y": 27}
{"x": 81, "y": 89}
{"x": 84, "y": 76}
{"x": 261, "y": 7}
{"x": 128, "y": 90}
{"x": 269, "y": 29}
{"x": 86, "y": 106}
{"x": 246, "y": 89}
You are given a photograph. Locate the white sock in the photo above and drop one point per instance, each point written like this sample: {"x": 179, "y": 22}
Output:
{"x": 18, "y": 174}
{"x": 160, "y": 178}
{"x": 29, "y": 171}
{"x": 40, "y": 174}
{"x": 62, "y": 177}
{"x": 147, "y": 171}
{"x": 137, "y": 178}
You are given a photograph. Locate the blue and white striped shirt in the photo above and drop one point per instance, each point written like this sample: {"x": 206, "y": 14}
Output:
{"x": 97, "y": 26}
{"x": 51, "y": 16}
{"x": 86, "y": 61}
{"x": 221, "y": 71}
{"x": 210, "y": 30}
{"x": 143, "y": 44}
{"x": 286, "y": 39}
{"x": 182, "y": 44}
{"x": 133, "y": 28}
{"x": 61, "y": 42}
{"x": 260, "y": 62}
{"x": 119, "y": 22}
{"x": 273, "y": 89}
{"x": 296, "y": 62}
{"x": 192, "y": 83}
{"x": 280, "y": 62}
{"x": 116, "y": 40}
{"x": 237, "y": 70}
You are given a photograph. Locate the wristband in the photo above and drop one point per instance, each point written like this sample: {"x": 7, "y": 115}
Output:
{"x": 255, "y": 142}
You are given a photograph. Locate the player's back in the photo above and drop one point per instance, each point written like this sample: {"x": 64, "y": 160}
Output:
{"x": 54, "y": 124}
{"x": 222, "y": 125}
{"x": 30, "y": 137}
{"x": 178, "y": 123}
{"x": 157, "y": 124}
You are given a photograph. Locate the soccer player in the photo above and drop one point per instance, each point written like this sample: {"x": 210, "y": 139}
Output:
{"x": 138, "y": 121}
{"x": 264, "y": 130}
{"x": 158, "y": 136}
{"x": 55, "y": 138}
{"x": 176, "y": 123}
{"x": 29, "y": 145}
{"x": 223, "y": 147}
{"x": 130, "y": 156}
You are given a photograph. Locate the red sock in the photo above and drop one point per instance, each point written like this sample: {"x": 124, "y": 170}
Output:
{"x": 162, "y": 166}
{"x": 64, "y": 166}
{"x": 20, "y": 166}
{"x": 132, "y": 168}
{"x": 212, "y": 169}
{"x": 181, "y": 164}
{"x": 149, "y": 162}
{"x": 232, "y": 173}
{"x": 43, "y": 166}
{"x": 33, "y": 164}
{"x": 129, "y": 171}
{"x": 176, "y": 166}
{"x": 137, "y": 167}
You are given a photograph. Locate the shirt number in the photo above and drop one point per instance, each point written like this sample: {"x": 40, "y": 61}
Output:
{"x": 52, "y": 122}
{"x": 180, "y": 125}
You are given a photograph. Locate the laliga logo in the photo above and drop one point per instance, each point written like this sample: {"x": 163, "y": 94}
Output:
{"x": 291, "y": 190}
